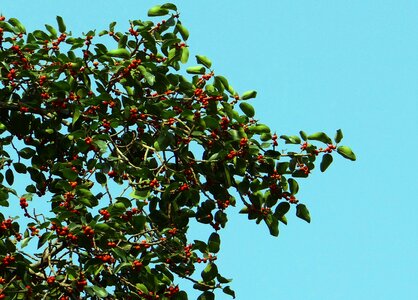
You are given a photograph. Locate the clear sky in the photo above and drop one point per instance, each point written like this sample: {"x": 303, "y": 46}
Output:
{"x": 317, "y": 66}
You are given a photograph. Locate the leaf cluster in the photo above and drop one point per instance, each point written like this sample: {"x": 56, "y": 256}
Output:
{"x": 123, "y": 150}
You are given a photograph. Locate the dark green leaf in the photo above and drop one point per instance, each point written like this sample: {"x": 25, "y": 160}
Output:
{"x": 244, "y": 210}
{"x": 206, "y": 296}
{"x": 27, "y": 152}
{"x": 210, "y": 272}
{"x": 101, "y": 178}
{"x": 293, "y": 186}
{"x": 222, "y": 279}
{"x": 20, "y": 168}
{"x": 272, "y": 224}
{"x": 170, "y": 6}
{"x": 338, "y": 136}
{"x": 281, "y": 209}
{"x": 326, "y": 161}
{"x": 10, "y": 178}
{"x": 303, "y": 212}
{"x": 182, "y": 295}
{"x": 214, "y": 243}
{"x": 69, "y": 174}
{"x": 303, "y": 135}
{"x": 61, "y": 24}
{"x": 44, "y": 238}
{"x": 227, "y": 290}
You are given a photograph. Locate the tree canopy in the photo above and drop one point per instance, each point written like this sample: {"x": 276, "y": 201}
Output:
{"x": 111, "y": 150}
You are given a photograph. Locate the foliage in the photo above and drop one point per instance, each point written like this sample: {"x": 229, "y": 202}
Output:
{"x": 126, "y": 150}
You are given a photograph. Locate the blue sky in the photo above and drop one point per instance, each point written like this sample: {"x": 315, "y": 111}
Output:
{"x": 317, "y": 66}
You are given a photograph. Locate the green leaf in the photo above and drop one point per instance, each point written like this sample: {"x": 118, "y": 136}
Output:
{"x": 264, "y": 137}
{"x": 203, "y": 60}
{"x": 214, "y": 242}
{"x": 247, "y": 109}
{"x": 157, "y": 10}
{"x": 196, "y": 70}
{"x": 69, "y": 174}
{"x": 52, "y": 30}
{"x": 303, "y": 212}
{"x": 281, "y": 209}
{"x": 293, "y": 186}
{"x": 25, "y": 242}
{"x": 101, "y": 178}
{"x": 85, "y": 201}
{"x": 272, "y": 224}
{"x": 10, "y": 178}
{"x": 183, "y": 31}
{"x": 338, "y": 136}
{"x": 44, "y": 238}
{"x": 16, "y": 23}
{"x": 326, "y": 161}
{"x": 182, "y": 295}
{"x": 244, "y": 210}
{"x": 170, "y": 6}
{"x": 27, "y": 152}
{"x": 346, "y": 152}
{"x": 100, "y": 291}
{"x": 248, "y": 95}
{"x": 112, "y": 26}
{"x": 121, "y": 53}
{"x": 61, "y": 24}
{"x": 261, "y": 128}
{"x": 102, "y": 227}
{"x": 76, "y": 115}
{"x": 206, "y": 296}
{"x": 20, "y": 168}
{"x": 303, "y": 135}
{"x": 122, "y": 42}
{"x": 184, "y": 55}
{"x": 293, "y": 139}
{"x": 210, "y": 272}
{"x": 117, "y": 209}
{"x": 162, "y": 142}
{"x": 222, "y": 279}
{"x": 320, "y": 136}
{"x": 227, "y": 290}
{"x": 149, "y": 77}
